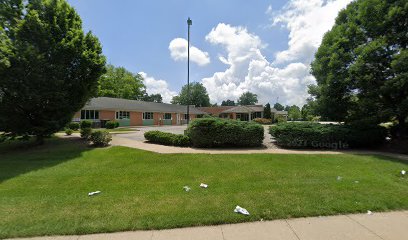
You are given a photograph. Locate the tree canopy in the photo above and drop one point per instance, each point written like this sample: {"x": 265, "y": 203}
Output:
{"x": 118, "y": 82}
{"x": 278, "y": 107}
{"x": 48, "y": 67}
{"x": 228, "y": 103}
{"x": 267, "y": 111}
{"x": 361, "y": 67}
{"x": 294, "y": 113}
{"x": 248, "y": 98}
{"x": 198, "y": 96}
{"x": 153, "y": 98}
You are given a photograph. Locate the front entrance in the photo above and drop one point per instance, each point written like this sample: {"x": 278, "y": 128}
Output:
{"x": 242, "y": 116}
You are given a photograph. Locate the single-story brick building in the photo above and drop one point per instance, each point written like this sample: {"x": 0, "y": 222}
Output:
{"x": 243, "y": 113}
{"x": 134, "y": 113}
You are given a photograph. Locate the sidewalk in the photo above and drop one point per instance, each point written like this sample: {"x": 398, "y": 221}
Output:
{"x": 377, "y": 226}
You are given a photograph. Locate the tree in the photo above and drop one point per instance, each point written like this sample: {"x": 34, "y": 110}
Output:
{"x": 308, "y": 110}
{"x": 198, "y": 96}
{"x": 153, "y": 98}
{"x": 361, "y": 66}
{"x": 294, "y": 113}
{"x": 118, "y": 82}
{"x": 287, "y": 107}
{"x": 48, "y": 67}
{"x": 247, "y": 98}
{"x": 267, "y": 111}
{"x": 278, "y": 107}
{"x": 228, "y": 103}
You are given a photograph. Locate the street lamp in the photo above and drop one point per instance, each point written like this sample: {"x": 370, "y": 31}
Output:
{"x": 189, "y": 23}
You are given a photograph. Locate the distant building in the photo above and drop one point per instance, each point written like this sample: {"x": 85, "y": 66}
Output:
{"x": 243, "y": 113}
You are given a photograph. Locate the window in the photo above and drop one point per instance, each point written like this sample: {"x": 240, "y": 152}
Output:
{"x": 89, "y": 114}
{"x": 167, "y": 116}
{"x": 122, "y": 115}
{"x": 256, "y": 115}
{"x": 185, "y": 116}
{"x": 147, "y": 115}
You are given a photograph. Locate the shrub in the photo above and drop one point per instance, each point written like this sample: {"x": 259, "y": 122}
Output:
{"x": 100, "y": 138}
{"x": 315, "y": 135}
{"x": 263, "y": 120}
{"x": 68, "y": 131}
{"x": 86, "y": 124}
{"x": 280, "y": 119}
{"x": 215, "y": 132}
{"x": 167, "y": 138}
{"x": 73, "y": 126}
{"x": 112, "y": 124}
{"x": 86, "y": 133}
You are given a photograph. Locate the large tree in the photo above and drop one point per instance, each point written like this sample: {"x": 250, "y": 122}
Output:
{"x": 248, "y": 98}
{"x": 198, "y": 96}
{"x": 294, "y": 113}
{"x": 153, "y": 98}
{"x": 267, "y": 111}
{"x": 278, "y": 107}
{"x": 48, "y": 67}
{"x": 361, "y": 67}
{"x": 228, "y": 103}
{"x": 118, "y": 82}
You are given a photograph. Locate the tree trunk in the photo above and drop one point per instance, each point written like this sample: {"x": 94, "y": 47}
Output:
{"x": 402, "y": 127}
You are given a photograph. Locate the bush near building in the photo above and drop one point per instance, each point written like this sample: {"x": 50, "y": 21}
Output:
{"x": 73, "y": 126}
{"x": 100, "y": 138}
{"x": 214, "y": 132}
{"x": 263, "y": 120}
{"x": 315, "y": 135}
{"x": 166, "y": 138}
{"x": 112, "y": 124}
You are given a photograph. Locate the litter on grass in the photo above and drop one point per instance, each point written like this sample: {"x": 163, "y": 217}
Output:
{"x": 369, "y": 212}
{"x": 356, "y": 181}
{"x": 203, "y": 185}
{"x": 186, "y": 188}
{"x": 403, "y": 172}
{"x": 241, "y": 210}
{"x": 94, "y": 193}
{"x": 339, "y": 178}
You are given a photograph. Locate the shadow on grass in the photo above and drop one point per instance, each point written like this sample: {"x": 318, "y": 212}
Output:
{"x": 17, "y": 157}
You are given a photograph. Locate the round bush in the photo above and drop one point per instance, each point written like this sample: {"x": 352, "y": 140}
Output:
{"x": 215, "y": 132}
{"x": 86, "y": 124}
{"x": 166, "y": 138}
{"x": 68, "y": 131}
{"x": 100, "y": 138}
{"x": 73, "y": 126}
{"x": 111, "y": 124}
{"x": 86, "y": 133}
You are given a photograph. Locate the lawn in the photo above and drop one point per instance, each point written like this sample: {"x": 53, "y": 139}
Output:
{"x": 44, "y": 190}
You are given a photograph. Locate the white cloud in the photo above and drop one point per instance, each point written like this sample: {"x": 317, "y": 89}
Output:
{"x": 249, "y": 70}
{"x": 307, "y": 21}
{"x": 154, "y": 86}
{"x": 178, "y": 51}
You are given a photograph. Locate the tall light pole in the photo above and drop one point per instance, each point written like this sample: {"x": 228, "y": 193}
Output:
{"x": 189, "y": 23}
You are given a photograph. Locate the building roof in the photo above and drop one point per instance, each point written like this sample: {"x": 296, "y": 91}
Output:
{"x": 215, "y": 110}
{"x": 118, "y": 104}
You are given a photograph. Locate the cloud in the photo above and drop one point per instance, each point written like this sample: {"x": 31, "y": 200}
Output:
{"x": 154, "y": 86}
{"x": 178, "y": 51}
{"x": 306, "y": 21}
{"x": 287, "y": 76}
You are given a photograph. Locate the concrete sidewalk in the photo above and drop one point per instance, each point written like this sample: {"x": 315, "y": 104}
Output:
{"x": 377, "y": 226}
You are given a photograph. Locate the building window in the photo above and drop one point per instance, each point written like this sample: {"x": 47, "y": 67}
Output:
{"x": 256, "y": 115}
{"x": 122, "y": 115}
{"x": 89, "y": 114}
{"x": 167, "y": 116}
{"x": 147, "y": 115}
{"x": 185, "y": 116}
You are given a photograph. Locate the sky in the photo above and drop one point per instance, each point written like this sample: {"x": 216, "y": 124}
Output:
{"x": 236, "y": 46}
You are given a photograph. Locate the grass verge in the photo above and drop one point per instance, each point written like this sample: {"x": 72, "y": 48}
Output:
{"x": 43, "y": 190}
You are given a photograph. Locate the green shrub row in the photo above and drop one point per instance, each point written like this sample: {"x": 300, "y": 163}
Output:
{"x": 166, "y": 138}
{"x": 111, "y": 124}
{"x": 215, "y": 132}
{"x": 73, "y": 126}
{"x": 86, "y": 124}
{"x": 315, "y": 135}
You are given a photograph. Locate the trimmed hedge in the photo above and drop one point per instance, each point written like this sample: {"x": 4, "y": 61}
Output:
{"x": 315, "y": 135}
{"x": 166, "y": 138}
{"x": 111, "y": 124}
{"x": 68, "y": 131}
{"x": 85, "y": 132}
{"x": 73, "y": 126}
{"x": 215, "y": 132}
{"x": 86, "y": 124}
{"x": 100, "y": 138}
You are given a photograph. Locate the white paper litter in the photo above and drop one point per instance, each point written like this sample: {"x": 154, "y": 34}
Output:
{"x": 339, "y": 178}
{"x": 203, "y": 185}
{"x": 356, "y": 181}
{"x": 94, "y": 193}
{"x": 369, "y": 212}
{"x": 403, "y": 172}
{"x": 241, "y": 210}
{"x": 186, "y": 188}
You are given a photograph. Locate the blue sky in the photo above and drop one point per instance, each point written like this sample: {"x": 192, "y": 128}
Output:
{"x": 260, "y": 46}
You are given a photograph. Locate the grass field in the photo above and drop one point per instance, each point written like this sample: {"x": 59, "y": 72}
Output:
{"x": 43, "y": 190}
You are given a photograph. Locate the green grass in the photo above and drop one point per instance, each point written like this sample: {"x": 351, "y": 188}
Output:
{"x": 43, "y": 190}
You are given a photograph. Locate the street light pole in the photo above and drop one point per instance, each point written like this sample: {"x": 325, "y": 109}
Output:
{"x": 189, "y": 23}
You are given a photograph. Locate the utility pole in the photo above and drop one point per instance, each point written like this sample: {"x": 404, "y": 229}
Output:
{"x": 189, "y": 23}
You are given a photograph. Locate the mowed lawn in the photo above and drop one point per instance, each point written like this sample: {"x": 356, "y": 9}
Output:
{"x": 44, "y": 190}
